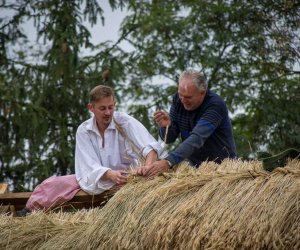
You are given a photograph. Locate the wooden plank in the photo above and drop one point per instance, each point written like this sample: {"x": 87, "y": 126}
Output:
{"x": 22, "y": 197}
{"x": 11, "y": 202}
{"x": 14, "y": 198}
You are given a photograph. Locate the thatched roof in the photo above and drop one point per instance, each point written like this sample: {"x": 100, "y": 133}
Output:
{"x": 235, "y": 205}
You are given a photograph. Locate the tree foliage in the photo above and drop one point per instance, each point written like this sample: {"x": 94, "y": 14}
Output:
{"x": 249, "y": 51}
{"x": 44, "y": 91}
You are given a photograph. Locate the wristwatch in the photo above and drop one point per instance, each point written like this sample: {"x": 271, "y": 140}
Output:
{"x": 169, "y": 163}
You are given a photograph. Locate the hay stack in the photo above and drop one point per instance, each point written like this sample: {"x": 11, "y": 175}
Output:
{"x": 235, "y": 205}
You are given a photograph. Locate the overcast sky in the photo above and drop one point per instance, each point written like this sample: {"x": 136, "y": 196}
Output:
{"x": 99, "y": 33}
{"x": 110, "y": 30}
{"x": 113, "y": 20}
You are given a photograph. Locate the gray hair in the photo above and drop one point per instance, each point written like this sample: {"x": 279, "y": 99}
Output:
{"x": 197, "y": 77}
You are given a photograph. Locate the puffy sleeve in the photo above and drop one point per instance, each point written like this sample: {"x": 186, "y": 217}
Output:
{"x": 88, "y": 167}
{"x": 141, "y": 137}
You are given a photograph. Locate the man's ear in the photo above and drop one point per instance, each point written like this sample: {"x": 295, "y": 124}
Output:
{"x": 90, "y": 107}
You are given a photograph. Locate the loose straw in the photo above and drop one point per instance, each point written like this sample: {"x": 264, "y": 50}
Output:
{"x": 232, "y": 205}
{"x": 166, "y": 134}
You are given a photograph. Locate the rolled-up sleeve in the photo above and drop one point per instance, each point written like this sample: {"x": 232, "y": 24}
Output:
{"x": 161, "y": 153}
{"x": 142, "y": 139}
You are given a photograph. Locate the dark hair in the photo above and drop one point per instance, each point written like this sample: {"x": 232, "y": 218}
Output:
{"x": 101, "y": 91}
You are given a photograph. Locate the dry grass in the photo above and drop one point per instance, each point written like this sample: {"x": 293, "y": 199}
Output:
{"x": 235, "y": 205}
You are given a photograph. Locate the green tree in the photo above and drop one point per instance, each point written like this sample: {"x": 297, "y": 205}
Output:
{"x": 249, "y": 51}
{"x": 44, "y": 91}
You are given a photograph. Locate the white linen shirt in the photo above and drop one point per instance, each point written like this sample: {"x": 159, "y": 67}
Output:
{"x": 92, "y": 160}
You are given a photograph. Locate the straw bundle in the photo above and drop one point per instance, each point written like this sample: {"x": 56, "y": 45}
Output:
{"x": 235, "y": 205}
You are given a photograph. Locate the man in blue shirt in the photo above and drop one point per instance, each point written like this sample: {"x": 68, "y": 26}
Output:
{"x": 200, "y": 118}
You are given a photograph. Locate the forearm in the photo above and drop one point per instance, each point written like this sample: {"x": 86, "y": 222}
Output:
{"x": 117, "y": 176}
{"x": 106, "y": 176}
{"x": 183, "y": 151}
{"x": 192, "y": 144}
{"x": 151, "y": 157}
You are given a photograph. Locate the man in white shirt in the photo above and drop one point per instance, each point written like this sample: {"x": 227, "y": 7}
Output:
{"x": 109, "y": 144}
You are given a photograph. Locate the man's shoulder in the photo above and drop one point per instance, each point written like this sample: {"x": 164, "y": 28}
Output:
{"x": 176, "y": 97}
{"x": 85, "y": 126}
{"x": 176, "y": 102}
{"x": 123, "y": 119}
{"x": 126, "y": 121}
{"x": 215, "y": 102}
{"x": 215, "y": 98}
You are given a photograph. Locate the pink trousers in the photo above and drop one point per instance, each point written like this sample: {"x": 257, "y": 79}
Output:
{"x": 53, "y": 192}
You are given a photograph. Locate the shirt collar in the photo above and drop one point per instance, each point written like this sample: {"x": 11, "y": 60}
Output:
{"x": 92, "y": 125}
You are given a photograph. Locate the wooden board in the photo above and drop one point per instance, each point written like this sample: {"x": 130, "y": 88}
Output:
{"x": 16, "y": 201}
{"x": 22, "y": 197}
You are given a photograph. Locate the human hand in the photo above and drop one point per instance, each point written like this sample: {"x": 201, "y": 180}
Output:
{"x": 154, "y": 169}
{"x": 119, "y": 177}
{"x": 162, "y": 119}
{"x": 138, "y": 171}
